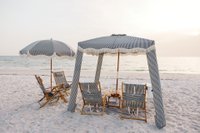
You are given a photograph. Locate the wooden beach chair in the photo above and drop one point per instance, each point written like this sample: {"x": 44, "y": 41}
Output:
{"x": 93, "y": 102}
{"x": 134, "y": 102}
{"x": 50, "y": 95}
{"x": 60, "y": 80}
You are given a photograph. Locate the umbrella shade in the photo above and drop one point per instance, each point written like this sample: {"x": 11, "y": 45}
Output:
{"x": 49, "y": 48}
{"x": 116, "y": 43}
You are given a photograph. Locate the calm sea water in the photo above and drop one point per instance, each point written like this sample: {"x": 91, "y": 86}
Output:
{"x": 189, "y": 65}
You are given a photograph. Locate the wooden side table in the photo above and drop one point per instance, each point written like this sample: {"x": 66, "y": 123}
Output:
{"x": 114, "y": 100}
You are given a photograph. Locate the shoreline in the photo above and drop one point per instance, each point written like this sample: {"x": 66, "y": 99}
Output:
{"x": 70, "y": 72}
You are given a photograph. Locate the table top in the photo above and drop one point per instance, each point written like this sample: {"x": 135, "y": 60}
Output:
{"x": 112, "y": 94}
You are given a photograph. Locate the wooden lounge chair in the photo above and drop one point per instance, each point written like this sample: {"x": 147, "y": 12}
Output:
{"x": 134, "y": 102}
{"x": 61, "y": 81}
{"x": 93, "y": 102}
{"x": 50, "y": 95}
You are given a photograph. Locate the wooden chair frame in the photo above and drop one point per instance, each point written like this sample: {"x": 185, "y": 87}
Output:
{"x": 143, "y": 109}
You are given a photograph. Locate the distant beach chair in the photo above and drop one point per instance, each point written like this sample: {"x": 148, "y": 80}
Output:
{"x": 50, "y": 95}
{"x": 93, "y": 101}
{"x": 61, "y": 81}
{"x": 134, "y": 102}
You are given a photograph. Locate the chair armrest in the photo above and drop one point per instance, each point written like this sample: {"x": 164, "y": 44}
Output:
{"x": 57, "y": 88}
{"x": 69, "y": 81}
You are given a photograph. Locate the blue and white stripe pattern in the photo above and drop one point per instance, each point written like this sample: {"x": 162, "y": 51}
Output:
{"x": 125, "y": 45}
{"x": 157, "y": 92}
{"x": 75, "y": 81}
{"x": 47, "y": 48}
{"x": 98, "y": 70}
{"x": 91, "y": 93}
{"x": 116, "y": 43}
{"x": 134, "y": 95}
{"x": 60, "y": 79}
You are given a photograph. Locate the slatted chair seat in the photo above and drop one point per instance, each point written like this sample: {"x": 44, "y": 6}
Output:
{"x": 134, "y": 101}
{"x": 92, "y": 97}
{"x": 60, "y": 80}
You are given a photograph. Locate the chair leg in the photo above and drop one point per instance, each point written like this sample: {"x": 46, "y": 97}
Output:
{"x": 48, "y": 99}
{"x": 104, "y": 104}
{"x": 44, "y": 104}
{"x": 82, "y": 110}
{"x": 145, "y": 111}
{"x": 66, "y": 91}
{"x": 41, "y": 99}
{"x": 62, "y": 97}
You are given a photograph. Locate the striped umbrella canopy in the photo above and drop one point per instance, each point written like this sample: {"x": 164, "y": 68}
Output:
{"x": 116, "y": 44}
{"x": 50, "y": 48}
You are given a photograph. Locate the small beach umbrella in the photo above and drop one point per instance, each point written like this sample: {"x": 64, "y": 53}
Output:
{"x": 50, "y": 48}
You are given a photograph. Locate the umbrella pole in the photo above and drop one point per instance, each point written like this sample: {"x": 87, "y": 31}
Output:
{"x": 51, "y": 73}
{"x": 118, "y": 54}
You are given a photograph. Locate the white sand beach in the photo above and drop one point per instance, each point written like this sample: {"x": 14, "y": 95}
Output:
{"x": 129, "y": 41}
{"x": 19, "y": 110}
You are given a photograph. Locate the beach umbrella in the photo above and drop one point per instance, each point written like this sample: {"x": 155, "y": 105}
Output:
{"x": 50, "y": 48}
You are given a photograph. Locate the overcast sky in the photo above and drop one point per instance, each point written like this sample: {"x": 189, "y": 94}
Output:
{"x": 173, "y": 24}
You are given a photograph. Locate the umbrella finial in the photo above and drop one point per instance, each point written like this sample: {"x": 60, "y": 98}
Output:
{"x": 118, "y": 35}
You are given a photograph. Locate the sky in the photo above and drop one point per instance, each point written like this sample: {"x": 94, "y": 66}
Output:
{"x": 173, "y": 24}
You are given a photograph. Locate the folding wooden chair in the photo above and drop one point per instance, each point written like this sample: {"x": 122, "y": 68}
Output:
{"x": 134, "y": 101}
{"x": 50, "y": 95}
{"x": 93, "y": 102}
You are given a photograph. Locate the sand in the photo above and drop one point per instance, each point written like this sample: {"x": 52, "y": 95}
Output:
{"x": 19, "y": 110}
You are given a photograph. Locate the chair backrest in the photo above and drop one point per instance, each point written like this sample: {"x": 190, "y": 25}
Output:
{"x": 91, "y": 92}
{"x": 60, "y": 78}
{"x": 40, "y": 82}
{"x": 134, "y": 95}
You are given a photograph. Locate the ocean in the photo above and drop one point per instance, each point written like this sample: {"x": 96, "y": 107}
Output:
{"x": 135, "y": 64}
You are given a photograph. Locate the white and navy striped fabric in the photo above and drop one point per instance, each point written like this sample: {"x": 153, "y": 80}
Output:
{"x": 98, "y": 70}
{"x": 75, "y": 81}
{"x": 39, "y": 80}
{"x": 134, "y": 95}
{"x": 116, "y": 43}
{"x": 156, "y": 86}
{"x": 125, "y": 45}
{"x": 91, "y": 93}
{"x": 47, "y": 48}
{"x": 60, "y": 79}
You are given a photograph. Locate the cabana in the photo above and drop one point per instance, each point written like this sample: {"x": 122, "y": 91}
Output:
{"x": 123, "y": 44}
